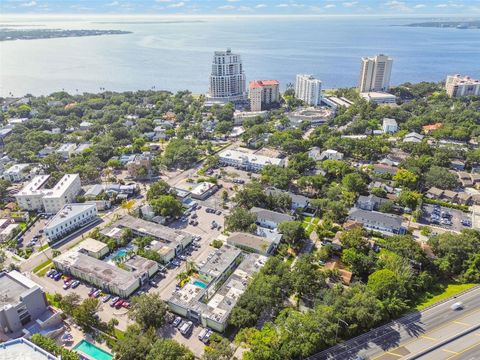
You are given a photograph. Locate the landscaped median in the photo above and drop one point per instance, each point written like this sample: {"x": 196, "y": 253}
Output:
{"x": 42, "y": 269}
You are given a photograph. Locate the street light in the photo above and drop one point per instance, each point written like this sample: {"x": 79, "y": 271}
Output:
{"x": 338, "y": 325}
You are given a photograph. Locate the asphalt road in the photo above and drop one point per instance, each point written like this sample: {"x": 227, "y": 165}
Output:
{"x": 414, "y": 333}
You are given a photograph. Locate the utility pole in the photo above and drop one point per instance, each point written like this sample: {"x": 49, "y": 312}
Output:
{"x": 338, "y": 325}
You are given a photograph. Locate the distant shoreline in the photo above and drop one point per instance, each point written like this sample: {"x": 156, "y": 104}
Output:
{"x": 36, "y": 34}
{"x": 148, "y": 22}
{"x": 448, "y": 24}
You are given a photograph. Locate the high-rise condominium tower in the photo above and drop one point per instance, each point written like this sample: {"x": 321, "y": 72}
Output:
{"x": 227, "y": 80}
{"x": 458, "y": 86}
{"x": 308, "y": 89}
{"x": 375, "y": 73}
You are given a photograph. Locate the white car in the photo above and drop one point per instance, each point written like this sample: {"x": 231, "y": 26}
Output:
{"x": 457, "y": 306}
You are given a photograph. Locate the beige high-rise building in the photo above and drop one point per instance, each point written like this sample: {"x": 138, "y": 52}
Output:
{"x": 375, "y": 73}
{"x": 227, "y": 79}
{"x": 457, "y": 86}
{"x": 262, "y": 93}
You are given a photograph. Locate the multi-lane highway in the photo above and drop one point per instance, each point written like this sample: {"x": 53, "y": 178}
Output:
{"x": 434, "y": 333}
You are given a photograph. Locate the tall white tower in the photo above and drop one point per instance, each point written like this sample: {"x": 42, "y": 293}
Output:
{"x": 375, "y": 73}
{"x": 308, "y": 89}
{"x": 227, "y": 79}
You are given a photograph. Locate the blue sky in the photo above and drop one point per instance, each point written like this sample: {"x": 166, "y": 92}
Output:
{"x": 468, "y": 8}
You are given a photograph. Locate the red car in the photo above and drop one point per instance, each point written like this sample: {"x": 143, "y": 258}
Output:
{"x": 118, "y": 304}
{"x": 126, "y": 304}
{"x": 67, "y": 279}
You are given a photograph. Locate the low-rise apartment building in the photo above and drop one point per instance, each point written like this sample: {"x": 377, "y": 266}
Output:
{"x": 210, "y": 303}
{"x": 270, "y": 219}
{"x": 105, "y": 275}
{"x": 247, "y": 161}
{"x": 36, "y": 197}
{"x": 379, "y": 98}
{"x": 17, "y": 172}
{"x": 69, "y": 219}
{"x": 377, "y": 221}
{"x": 252, "y": 243}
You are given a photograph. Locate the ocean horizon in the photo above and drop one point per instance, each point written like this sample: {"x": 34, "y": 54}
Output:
{"x": 175, "y": 53}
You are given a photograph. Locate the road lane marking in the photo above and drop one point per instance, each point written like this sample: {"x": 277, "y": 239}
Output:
{"x": 429, "y": 332}
{"x": 391, "y": 353}
{"x": 464, "y": 350}
{"x": 451, "y": 351}
{"x": 461, "y": 323}
{"x": 428, "y": 337}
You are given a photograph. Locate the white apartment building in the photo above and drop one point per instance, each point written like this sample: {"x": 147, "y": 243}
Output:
{"x": 66, "y": 150}
{"x": 34, "y": 196}
{"x": 17, "y": 172}
{"x": 70, "y": 218}
{"x": 246, "y": 161}
{"x": 389, "y": 126}
{"x": 375, "y": 73}
{"x": 262, "y": 93}
{"x": 379, "y": 98}
{"x": 457, "y": 85}
{"x": 308, "y": 89}
{"x": 227, "y": 79}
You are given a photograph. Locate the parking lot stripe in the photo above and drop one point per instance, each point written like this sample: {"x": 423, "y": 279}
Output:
{"x": 450, "y": 351}
{"x": 461, "y": 323}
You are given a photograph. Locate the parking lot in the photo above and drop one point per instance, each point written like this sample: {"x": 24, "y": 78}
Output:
{"x": 444, "y": 217}
{"x": 35, "y": 233}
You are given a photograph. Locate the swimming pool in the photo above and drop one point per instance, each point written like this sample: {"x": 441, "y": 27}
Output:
{"x": 120, "y": 253}
{"x": 200, "y": 284}
{"x": 93, "y": 352}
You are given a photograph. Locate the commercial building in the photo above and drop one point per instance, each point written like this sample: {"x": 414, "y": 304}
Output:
{"x": 375, "y": 73}
{"x": 201, "y": 302}
{"x": 93, "y": 248}
{"x": 227, "y": 79}
{"x": 379, "y": 98}
{"x": 203, "y": 190}
{"x": 252, "y": 243}
{"x": 270, "y": 219}
{"x": 308, "y": 89}
{"x": 263, "y": 93}
{"x": 21, "y": 301}
{"x": 21, "y": 348}
{"x": 70, "y": 218}
{"x": 34, "y": 196}
{"x": 140, "y": 166}
{"x": 105, "y": 275}
{"x": 313, "y": 116}
{"x": 246, "y": 161}
{"x": 457, "y": 85}
{"x": 334, "y": 102}
{"x": 389, "y": 126}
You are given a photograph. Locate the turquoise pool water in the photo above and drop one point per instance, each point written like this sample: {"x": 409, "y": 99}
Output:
{"x": 120, "y": 253}
{"x": 92, "y": 351}
{"x": 200, "y": 284}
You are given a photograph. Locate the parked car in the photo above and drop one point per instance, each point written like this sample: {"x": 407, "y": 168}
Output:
{"x": 106, "y": 298}
{"x": 177, "y": 321}
{"x": 50, "y": 272}
{"x": 114, "y": 300}
{"x": 126, "y": 304}
{"x": 186, "y": 328}
{"x": 218, "y": 212}
{"x": 53, "y": 273}
{"x": 67, "y": 279}
{"x": 92, "y": 291}
{"x": 119, "y": 304}
{"x": 67, "y": 285}
{"x": 57, "y": 276}
{"x": 75, "y": 284}
{"x": 206, "y": 338}
{"x": 194, "y": 216}
{"x": 202, "y": 334}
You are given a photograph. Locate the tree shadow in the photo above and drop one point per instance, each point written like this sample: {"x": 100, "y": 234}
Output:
{"x": 166, "y": 331}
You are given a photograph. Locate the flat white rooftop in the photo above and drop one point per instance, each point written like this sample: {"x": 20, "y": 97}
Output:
{"x": 59, "y": 189}
{"x": 240, "y": 156}
{"x": 68, "y": 211}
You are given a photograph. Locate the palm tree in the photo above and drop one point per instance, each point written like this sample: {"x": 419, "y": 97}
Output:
{"x": 182, "y": 276}
{"x": 191, "y": 267}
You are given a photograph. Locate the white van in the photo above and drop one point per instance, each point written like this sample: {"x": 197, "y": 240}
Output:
{"x": 202, "y": 334}
{"x": 185, "y": 328}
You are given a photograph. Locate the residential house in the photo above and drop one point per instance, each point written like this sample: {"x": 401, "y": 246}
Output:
{"x": 389, "y": 126}
{"x": 384, "y": 169}
{"x": 413, "y": 137}
{"x": 298, "y": 201}
{"x": 457, "y": 165}
{"x": 370, "y": 202}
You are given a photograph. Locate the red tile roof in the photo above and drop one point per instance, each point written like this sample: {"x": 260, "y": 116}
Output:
{"x": 261, "y": 83}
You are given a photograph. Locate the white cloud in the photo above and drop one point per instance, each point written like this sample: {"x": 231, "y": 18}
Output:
{"x": 232, "y": 0}
{"x": 397, "y": 5}
{"x": 226, "y": 7}
{"x": 330, "y": 6}
{"x": 163, "y": 1}
{"x": 177, "y": 5}
{"x": 442, "y": 5}
{"x": 350, "y": 4}
{"x": 260, "y": 6}
{"x": 420, "y": 6}
{"x": 282, "y": 5}
{"x": 113, "y": 3}
{"x": 29, "y": 4}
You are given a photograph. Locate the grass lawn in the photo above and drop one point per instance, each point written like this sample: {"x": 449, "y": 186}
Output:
{"x": 51, "y": 300}
{"x": 43, "y": 247}
{"x": 307, "y": 219}
{"x": 443, "y": 292}
{"x": 43, "y": 265}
